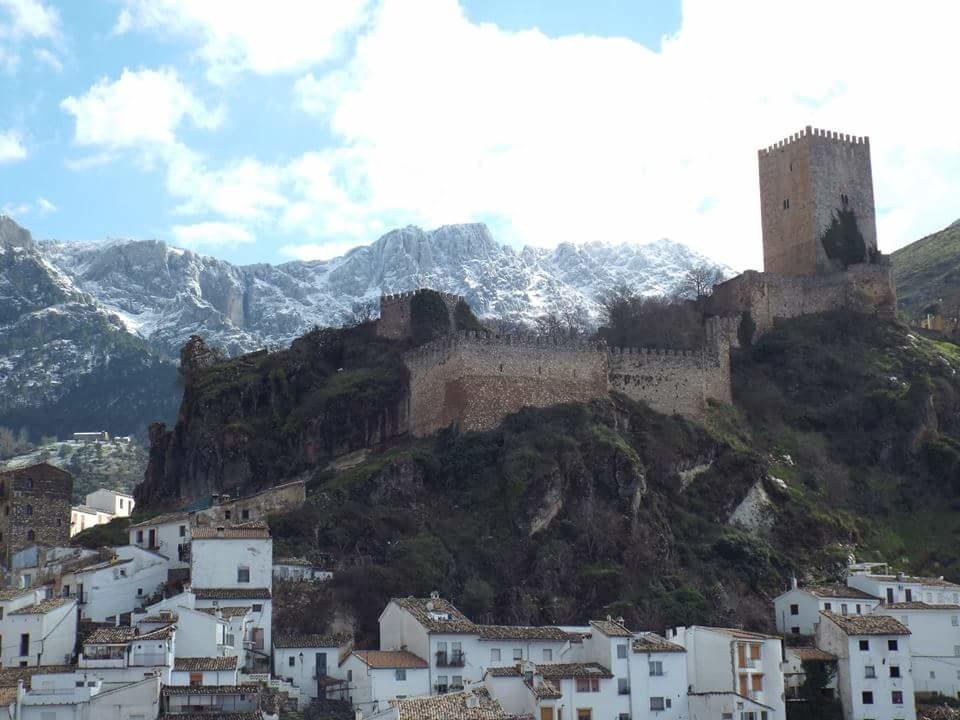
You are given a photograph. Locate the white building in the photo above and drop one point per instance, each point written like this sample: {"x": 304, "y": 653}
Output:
{"x": 895, "y": 588}
{"x": 375, "y": 677}
{"x": 167, "y": 534}
{"x": 506, "y": 645}
{"x": 203, "y": 701}
{"x": 115, "y": 503}
{"x": 55, "y": 696}
{"x": 207, "y": 671}
{"x": 41, "y": 564}
{"x": 474, "y": 703}
{"x": 552, "y": 691}
{"x": 311, "y": 663}
{"x": 798, "y": 609}
{"x": 874, "y": 669}
{"x": 106, "y": 590}
{"x": 658, "y": 678}
{"x": 41, "y": 632}
{"x": 297, "y": 569}
{"x": 122, "y": 654}
{"x": 233, "y": 566}
{"x": 83, "y": 517}
{"x": 732, "y": 673}
{"x": 934, "y": 644}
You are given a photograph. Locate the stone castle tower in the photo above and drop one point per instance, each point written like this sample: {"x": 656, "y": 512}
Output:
{"x": 816, "y": 203}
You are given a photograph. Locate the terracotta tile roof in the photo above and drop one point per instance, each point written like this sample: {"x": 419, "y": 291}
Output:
{"x": 742, "y": 634}
{"x": 651, "y": 642}
{"x": 380, "y": 659}
{"x": 163, "y": 519}
{"x": 159, "y": 634}
{"x": 611, "y": 628}
{"x": 14, "y": 593}
{"x": 920, "y": 606}
{"x": 452, "y": 706}
{"x": 210, "y": 690}
{"x": 123, "y": 634}
{"x": 158, "y": 618}
{"x": 552, "y": 671}
{"x": 545, "y": 690}
{"x": 312, "y": 641}
{"x": 301, "y": 562}
{"x": 867, "y": 624}
{"x": 810, "y": 653}
{"x": 10, "y": 676}
{"x": 838, "y": 591}
{"x": 199, "y": 664}
{"x": 522, "y": 632}
{"x": 916, "y": 580}
{"x": 505, "y": 671}
{"x": 101, "y": 565}
{"x": 231, "y": 593}
{"x": 220, "y": 716}
{"x": 232, "y": 611}
{"x": 437, "y": 615}
{"x": 251, "y": 530}
{"x": 42, "y": 607}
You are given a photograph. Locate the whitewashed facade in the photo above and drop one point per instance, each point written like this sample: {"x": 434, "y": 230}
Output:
{"x": 108, "y": 589}
{"x": 168, "y": 535}
{"x": 204, "y": 671}
{"x": 374, "y": 677}
{"x": 115, "y": 503}
{"x": 798, "y": 609}
{"x": 658, "y": 679}
{"x": 121, "y": 655}
{"x": 898, "y": 587}
{"x": 874, "y": 665}
{"x": 57, "y": 696}
{"x": 311, "y": 663}
{"x": 41, "y": 632}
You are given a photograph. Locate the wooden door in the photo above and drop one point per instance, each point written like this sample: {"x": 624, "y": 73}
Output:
{"x": 546, "y": 713}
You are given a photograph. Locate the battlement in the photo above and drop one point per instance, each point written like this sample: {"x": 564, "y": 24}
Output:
{"x": 396, "y": 314}
{"x": 812, "y": 132}
{"x": 408, "y": 295}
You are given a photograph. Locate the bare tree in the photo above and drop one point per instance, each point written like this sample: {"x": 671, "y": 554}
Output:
{"x": 364, "y": 311}
{"x": 699, "y": 281}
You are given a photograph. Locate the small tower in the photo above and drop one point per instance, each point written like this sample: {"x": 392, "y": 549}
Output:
{"x": 816, "y": 203}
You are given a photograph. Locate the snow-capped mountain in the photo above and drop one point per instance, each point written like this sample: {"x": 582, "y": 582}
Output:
{"x": 164, "y": 294}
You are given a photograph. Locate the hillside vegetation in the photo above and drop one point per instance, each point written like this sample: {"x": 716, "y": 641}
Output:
{"x": 927, "y": 272}
{"x": 845, "y": 438}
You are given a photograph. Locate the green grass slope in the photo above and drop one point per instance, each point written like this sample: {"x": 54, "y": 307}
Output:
{"x": 928, "y": 270}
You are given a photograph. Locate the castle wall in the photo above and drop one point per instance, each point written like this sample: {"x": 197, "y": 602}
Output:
{"x": 395, "y": 317}
{"x": 804, "y": 181}
{"x": 769, "y": 297}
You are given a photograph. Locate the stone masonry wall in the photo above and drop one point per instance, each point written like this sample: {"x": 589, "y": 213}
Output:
{"x": 768, "y": 297}
{"x": 36, "y": 500}
{"x": 277, "y": 499}
{"x": 395, "y": 315}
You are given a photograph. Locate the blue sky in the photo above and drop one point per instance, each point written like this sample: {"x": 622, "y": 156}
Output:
{"x": 297, "y": 129}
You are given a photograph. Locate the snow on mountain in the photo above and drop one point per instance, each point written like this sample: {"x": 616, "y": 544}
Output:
{"x": 165, "y": 294}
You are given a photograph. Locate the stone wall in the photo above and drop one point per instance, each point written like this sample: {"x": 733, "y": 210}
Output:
{"x": 36, "y": 508}
{"x": 395, "y": 315}
{"x": 804, "y": 181}
{"x": 768, "y": 297}
{"x": 281, "y": 498}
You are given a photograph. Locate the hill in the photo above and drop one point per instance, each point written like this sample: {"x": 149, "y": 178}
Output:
{"x": 844, "y": 438}
{"x": 927, "y": 272}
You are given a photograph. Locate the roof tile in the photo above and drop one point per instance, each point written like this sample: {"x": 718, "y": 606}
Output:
{"x": 867, "y": 624}
{"x": 199, "y": 664}
{"x": 381, "y": 659}
{"x": 331, "y": 640}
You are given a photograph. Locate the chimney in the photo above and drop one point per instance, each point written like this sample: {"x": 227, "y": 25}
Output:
{"x": 220, "y": 530}
{"x": 793, "y": 582}
{"x": 899, "y": 577}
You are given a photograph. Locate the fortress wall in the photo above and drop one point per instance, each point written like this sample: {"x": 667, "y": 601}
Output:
{"x": 395, "y": 315}
{"x": 768, "y": 297}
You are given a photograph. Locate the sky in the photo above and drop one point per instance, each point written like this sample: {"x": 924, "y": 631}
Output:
{"x": 295, "y": 129}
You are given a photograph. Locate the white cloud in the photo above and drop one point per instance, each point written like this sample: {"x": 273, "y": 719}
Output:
{"x": 25, "y": 21}
{"x": 42, "y": 205}
{"x": 45, "y": 206}
{"x": 582, "y": 138}
{"x": 143, "y": 108}
{"x": 16, "y": 211}
{"x": 48, "y": 58}
{"x": 217, "y": 234}
{"x": 12, "y": 148}
{"x": 318, "y": 251}
{"x": 263, "y": 37}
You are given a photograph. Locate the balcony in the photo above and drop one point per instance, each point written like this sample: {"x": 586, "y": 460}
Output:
{"x": 441, "y": 689}
{"x": 454, "y": 659}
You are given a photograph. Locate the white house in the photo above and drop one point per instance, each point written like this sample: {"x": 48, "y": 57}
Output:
{"x": 798, "y": 609}
{"x": 934, "y": 644}
{"x": 233, "y": 566}
{"x": 553, "y": 691}
{"x": 122, "y": 654}
{"x": 39, "y": 633}
{"x": 375, "y": 677}
{"x": 898, "y": 587}
{"x": 298, "y": 569}
{"x": 200, "y": 701}
{"x": 74, "y": 695}
{"x": 83, "y": 517}
{"x": 732, "y": 673}
{"x": 506, "y": 645}
{"x": 208, "y": 671}
{"x": 106, "y": 590}
{"x": 311, "y": 663}
{"x": 167, "y": 534}
{"x": 874, "y": 669}
{"x": 115, "y": 503}
{"x": 658, "y": 678}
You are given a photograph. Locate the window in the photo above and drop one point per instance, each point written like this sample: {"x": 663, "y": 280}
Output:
{"x": 28, "y": 509}
{"x": 139, "y": 536}
{"x": 933, "y": 675}
{"x": 349, "y": 675}
{"x": 183, "y": 531}
{"x": 894, "y": 671}
{"x": 909, "y": 594}
{"x": 243, "y": 574}
{"x": 623, "y": 686}
{"x": 457, "y": 682}
{"x": 656, "y": 668}
{"x": 584, "y": 714}
{"x": 955, "y": 620}
{"x": 859, "y": 611}
{"x": 896, "y": 697}
{"x": 956, "y": 650}
{"x": 547, "y": 654}
{"x": 867, "y": 697}
{"x": 828, "y": 607}
{"x": 865, "y": 645}
{"x": 657, "y": 704}
{"x": 227, "y": 514}
{"x": 31, "y": 534}
{"x": 257, "y": 607}
{"x": 292, "y": 661}
{"x": 869, "y": 671}
{"x": 623, "y": 716}
{"x": 196, "y": 679}
{"x": 400, "y": 674}
{"x": 139, "y": 592}
{"x": 442, "y": 684}
{"x": 245, "y": 514}
{"x": 494, "y": 655}
{"x": 621, "y": 651}
{"x": 891, "y": 644}
{"x": 794, "y": 609}
{"x": 78, "y": 683}
{"x": 786, "y": 204}
{"x": 889, "y": 595}
{"x": 24, "y": 644}
{"x": 518, "y": 653}
{"x": 795, "y": 629}
{"x": 588, "y": 684}
{"x": 843, "y": 609}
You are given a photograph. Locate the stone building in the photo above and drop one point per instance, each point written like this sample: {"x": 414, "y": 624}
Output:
{"x": 36, "y": 508}
{"x": 808, "y": 182}
{"x": 396, "y": 317}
